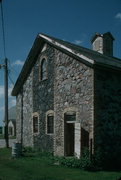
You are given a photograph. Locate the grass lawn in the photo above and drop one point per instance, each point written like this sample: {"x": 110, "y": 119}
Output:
{"x": 41, "y": 168}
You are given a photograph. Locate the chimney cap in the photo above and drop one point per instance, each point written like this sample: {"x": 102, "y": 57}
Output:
{"x": 109, "y": 34}
{"x": 101, "y": 35}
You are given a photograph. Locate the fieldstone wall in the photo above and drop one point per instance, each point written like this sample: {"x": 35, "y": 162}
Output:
{"x": 43, "y": 98}
{"x": 27, "y": 111}
{"x": 19, "y": 117}
{"x": 68, "y": 87}
{"x": 108, "y": 113}
{"x": 36, "y": 96}
{"x": 73, "y": 89}
{"x": 24, "y": 114}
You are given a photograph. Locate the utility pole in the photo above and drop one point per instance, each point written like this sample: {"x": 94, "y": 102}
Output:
{"x": 5, "y": 66}
{"x": 5, "y": 80}
{"x": 6, "y": 101}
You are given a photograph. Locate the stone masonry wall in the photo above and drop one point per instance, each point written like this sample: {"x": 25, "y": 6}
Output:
{"x": 108, "y": 113}
{"x": 43, "y": 98}
{"x": 27, "y": 111}
{"x": 73, "y": 90}
{"x": 18, "y": 117}
{"x": 69, "y": 86}
{"x": 24, "y": 114}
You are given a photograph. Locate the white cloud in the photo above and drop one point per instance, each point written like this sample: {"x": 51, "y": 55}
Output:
{"x": 1, "y": 91}
{"x": 78, "y": 42}
{"x": 10, "y": 90}
{"x": 13, "y": 102}
{"x": 118, "y": 16}
{"x": 18, "y": 63}
{"x": 1, "y": 108}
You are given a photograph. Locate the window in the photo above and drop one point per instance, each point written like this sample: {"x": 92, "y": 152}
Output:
{"x": 43, "y": 69}
{"x": 71, "y": 117}
{"x": 35, "y": 124}
{"x": 10, "y": 130}
{"x": 50, "y": 124}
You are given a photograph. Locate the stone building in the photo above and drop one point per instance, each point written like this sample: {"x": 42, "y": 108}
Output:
{"x": 69, "y": 97}
{"x": 11, "y": 122}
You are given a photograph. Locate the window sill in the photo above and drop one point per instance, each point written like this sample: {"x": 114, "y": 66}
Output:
{"x": 50, "y": 134}
{"x": 43, "y": 80}
{"x": 36, "y": 134}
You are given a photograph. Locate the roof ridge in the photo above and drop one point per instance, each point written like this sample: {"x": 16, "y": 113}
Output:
{"x": 91, "y": 51}
{"x": 85, "y": 55}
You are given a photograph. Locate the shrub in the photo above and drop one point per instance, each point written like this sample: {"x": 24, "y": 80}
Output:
{"x": 69, "y": 162}
{"x": 84, "y": 162}
{"x": 73, "y": 162}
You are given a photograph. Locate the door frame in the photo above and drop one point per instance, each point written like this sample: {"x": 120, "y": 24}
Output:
{"x": 65, "y": 133}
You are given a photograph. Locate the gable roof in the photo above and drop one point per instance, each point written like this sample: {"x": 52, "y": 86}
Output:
{"x": 11, "y": 114}
{"x": 87, "y": 56}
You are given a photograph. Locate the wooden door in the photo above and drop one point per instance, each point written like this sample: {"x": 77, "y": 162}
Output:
{"x": 69, "y": 139}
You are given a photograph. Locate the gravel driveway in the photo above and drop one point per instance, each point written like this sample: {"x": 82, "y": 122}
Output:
{"x": 2, "y": 142}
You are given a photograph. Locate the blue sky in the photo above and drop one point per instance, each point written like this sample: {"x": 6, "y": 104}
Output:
{"x": 71, "y": 20}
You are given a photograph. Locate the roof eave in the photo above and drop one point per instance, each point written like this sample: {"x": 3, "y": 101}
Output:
{"x": 36, "y": 48}
{"x": 67, "y": 50}
{"x": 28, "y": 65}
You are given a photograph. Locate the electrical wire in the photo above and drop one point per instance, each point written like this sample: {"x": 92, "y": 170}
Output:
{"x": 11, "y": 79}
{"x": 3, "y": 30}
{"x": 11, "y": 68}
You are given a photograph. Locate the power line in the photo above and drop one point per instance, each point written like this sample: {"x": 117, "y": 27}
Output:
{"x": 3, "y": 30}
{"x": 11, "y": 68}
{"x": 10, "y": 78}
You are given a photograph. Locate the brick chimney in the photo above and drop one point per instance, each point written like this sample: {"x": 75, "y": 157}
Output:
{"x": 103, "y": 43}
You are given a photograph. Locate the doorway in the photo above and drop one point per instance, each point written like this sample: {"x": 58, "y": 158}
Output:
{"x": 69, "y": 134}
